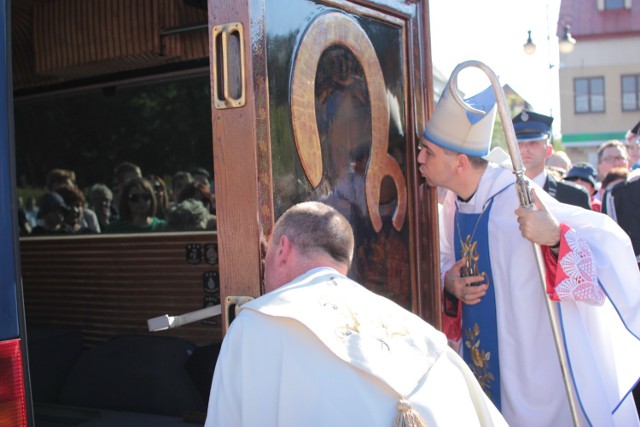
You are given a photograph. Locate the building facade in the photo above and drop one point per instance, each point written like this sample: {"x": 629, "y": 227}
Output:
{"x": 600, "y": 79}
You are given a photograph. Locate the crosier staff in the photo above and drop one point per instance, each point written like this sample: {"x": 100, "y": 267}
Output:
{"x": 526, "y": 201}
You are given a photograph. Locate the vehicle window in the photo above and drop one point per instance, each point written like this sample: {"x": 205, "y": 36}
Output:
{"x": 123, "y": 158}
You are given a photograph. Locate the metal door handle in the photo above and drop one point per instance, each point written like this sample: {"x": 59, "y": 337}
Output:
{"x": 232, "y": 304}
{"x": 228, "y": 65}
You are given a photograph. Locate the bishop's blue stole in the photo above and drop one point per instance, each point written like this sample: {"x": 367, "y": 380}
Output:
{"x": 479, "y": 325}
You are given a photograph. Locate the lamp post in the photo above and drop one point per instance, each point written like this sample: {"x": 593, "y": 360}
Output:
{"x": 567, "y": 42}
{"x": 529, "y": 47}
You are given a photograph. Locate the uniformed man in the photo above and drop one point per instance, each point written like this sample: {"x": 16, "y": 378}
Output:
{"x": 622, "y": 203}
{"x": 633, "y": 146}
{"x": 533, "y": 132}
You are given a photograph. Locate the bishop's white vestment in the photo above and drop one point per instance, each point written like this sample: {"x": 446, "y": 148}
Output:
{"x": 600, "y": 328}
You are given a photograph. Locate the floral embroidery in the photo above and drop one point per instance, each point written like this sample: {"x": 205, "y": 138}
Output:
{"x": 480, "y": 358}
{"x": 581, "y": 283}
{"x": 373, "y": 327}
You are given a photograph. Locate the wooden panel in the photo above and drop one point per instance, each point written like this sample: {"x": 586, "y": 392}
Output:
{"x": 187, "y": 44}
{"x": 82, "y": 38}
{"x": 429, "y": 247}
{"x": 71, "y": 33}
{"x": 241, "y": 156}
{"x": 110, "y": 285}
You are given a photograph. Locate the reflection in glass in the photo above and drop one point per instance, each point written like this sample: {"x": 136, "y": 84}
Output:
{"x": 344, "y": 121}
{"x": 161, "y": 127}
{"x": 343, "y": 113}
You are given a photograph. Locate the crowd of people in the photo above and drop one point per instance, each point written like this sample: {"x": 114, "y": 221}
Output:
{"x": 613, "y": 184}
{"x": 133, "y": 203}
{"x": 608, "y": 187}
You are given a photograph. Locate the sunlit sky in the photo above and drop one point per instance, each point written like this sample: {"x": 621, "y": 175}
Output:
{"x": 494, "y": 31}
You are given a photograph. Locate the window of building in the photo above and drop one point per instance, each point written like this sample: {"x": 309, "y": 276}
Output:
{"x": 613, "y": 4}
{"x": 631, "y": 93}
{"x": 589, "y": 95}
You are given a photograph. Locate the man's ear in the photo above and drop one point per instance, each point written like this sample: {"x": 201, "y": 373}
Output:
{"x": 549, "y": 151}
{"x": 284, "y": 249}
{"x": 462, "y": 161}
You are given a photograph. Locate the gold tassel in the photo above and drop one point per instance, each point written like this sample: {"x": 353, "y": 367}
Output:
{"x": 407, "y": 416}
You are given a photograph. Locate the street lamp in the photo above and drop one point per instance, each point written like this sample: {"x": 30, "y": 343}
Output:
{"x": 529, "y": 47}
{"x": 567, "y": 42}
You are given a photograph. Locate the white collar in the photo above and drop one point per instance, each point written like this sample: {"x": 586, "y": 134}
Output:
{"x": 541, "y": 179}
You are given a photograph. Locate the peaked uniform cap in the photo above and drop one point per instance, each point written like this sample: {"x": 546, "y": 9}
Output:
{"x": 530, "y": 126}
{"x": 454, "y": 128}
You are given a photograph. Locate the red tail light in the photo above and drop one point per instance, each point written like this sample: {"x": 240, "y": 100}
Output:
{"x": 12, "y": 400}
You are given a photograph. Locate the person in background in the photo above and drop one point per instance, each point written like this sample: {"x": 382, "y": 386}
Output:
{"x": 622, "y": 203}
{"x": 122, "y": 173}
{"x": 52, "y": 211}
{"x": 57, "y": 178}
{"x": 100, "y": 199}
{"x": 180, "y": 180}
{"x": 202, "y": 176}
{"x": 200, "y": 192}
{"x": 24, "y": 227}
{"x": 137, "y": 209}
{"x": 320, "y": 349}
{"x": 162, "y": 195}
{"x": 559, "y": 162}
{"x": 495, "y": 297}
{"x": 585, "y": 175}
{"x": 614, "y": 176}
{"x": 611, "y": 154}
{"x": 64, "y": 178}
{"x": 31, "y": 210}
{"x": 533, "y": 132}
{"x": 76, "y": 219}
{"x": 633, "y": 146}
{"x": 190, "y": 215}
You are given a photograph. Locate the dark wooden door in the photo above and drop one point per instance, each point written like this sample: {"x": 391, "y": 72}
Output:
{"x": 325, "y": 100}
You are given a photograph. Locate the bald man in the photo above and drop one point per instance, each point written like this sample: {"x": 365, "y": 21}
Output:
{"x": 319, "y": 349}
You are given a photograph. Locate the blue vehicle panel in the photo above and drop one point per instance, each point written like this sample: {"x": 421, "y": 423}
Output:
{"x": 9, "y": 326}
